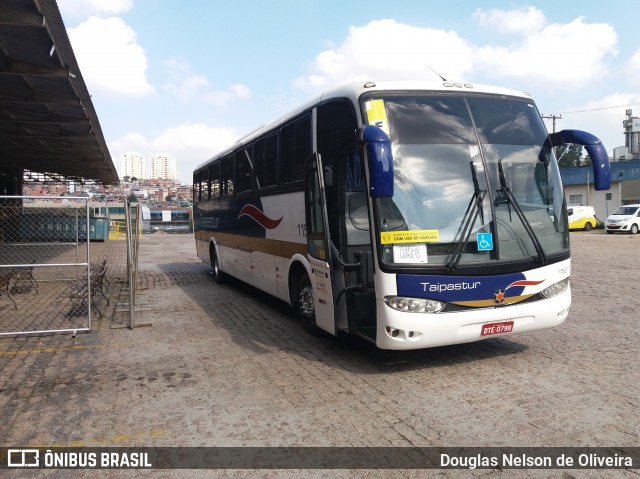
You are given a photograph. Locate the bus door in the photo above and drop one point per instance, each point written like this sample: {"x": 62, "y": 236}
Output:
{"x": 318, "y": 243}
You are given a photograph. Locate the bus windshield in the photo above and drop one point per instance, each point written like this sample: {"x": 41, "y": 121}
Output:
{"x": 475, "y": 181}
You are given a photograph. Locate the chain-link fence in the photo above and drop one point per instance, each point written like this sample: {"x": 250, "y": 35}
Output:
{"x": 49, "y": 282}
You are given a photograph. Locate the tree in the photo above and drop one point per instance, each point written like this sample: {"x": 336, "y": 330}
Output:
{"x": 569, "y": 155}
{"x": 132, "y": 198}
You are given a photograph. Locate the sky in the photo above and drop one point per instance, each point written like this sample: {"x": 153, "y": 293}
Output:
{"x": 190, "y": 77}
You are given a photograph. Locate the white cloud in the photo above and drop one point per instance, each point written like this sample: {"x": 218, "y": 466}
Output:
{"x": 387, "y": 50}
{"x": 523, "y": 21}
{"x": 182, "y": 82}
{"x": 575, "y": 53}
{"x": 186, "y": 85}
{"x": 633, "y": 68}
{"x": 562, "y": 55}
{"x": 233, "y": 93}
{"x": 109, "y": 56}
{"x": 190, "y": 143}
{"x": 81, "y": 9}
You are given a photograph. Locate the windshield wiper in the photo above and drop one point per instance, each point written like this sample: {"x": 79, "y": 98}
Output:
{"x": 506, "y": 196}
{"x": 468, "y": 220}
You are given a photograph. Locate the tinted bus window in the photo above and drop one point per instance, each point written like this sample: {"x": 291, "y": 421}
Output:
{"x": 226, "y": 176}
{"x": 243, "y": 170}
{"x": 295, "y": 148}
{"x": 214, "y": 178}
{"x": 200, "y": 185}
{"x": 265, "y": 161}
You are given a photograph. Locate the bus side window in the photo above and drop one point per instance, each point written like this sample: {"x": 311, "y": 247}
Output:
{"x": 355, "y": 192}
{"x": 358, "y": 213}
{"x": 198, "y": 178}
{"x": 356, "y": 200}
{"x": 265, "y": 161}
{"x": 295, "y": 148}
{"x": 244, "y": 170}
{"x": 355, "y": 172}
{"x": 315, "y": 216}
{"x": 214, "y": 180}
{"x": 226, "y": 176}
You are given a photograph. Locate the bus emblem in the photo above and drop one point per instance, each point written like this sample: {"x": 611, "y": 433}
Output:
{"x": 499, "y": 296}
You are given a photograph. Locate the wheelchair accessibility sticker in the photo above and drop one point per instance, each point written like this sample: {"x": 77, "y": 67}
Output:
{"x": 485, "y": 241}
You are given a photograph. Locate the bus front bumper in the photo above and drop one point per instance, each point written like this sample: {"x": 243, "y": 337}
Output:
{"x": 405, "y": 330}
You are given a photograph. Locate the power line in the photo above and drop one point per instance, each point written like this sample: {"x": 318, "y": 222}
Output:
{"x": 601, "y": 108}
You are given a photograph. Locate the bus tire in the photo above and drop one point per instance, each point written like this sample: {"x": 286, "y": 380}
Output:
{"x": 305, "y": 305}
{"x": 588, "y": 226}
{"x": 218, "y": 276}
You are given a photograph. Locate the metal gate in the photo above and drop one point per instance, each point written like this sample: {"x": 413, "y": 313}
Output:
{"x": 48, "y": 281}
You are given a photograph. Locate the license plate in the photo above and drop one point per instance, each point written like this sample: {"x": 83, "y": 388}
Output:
{"x": 410, "y": 253}
{"x": 497, "y": 328}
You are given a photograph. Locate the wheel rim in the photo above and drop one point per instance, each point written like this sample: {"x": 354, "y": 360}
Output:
{"x": 634, "y": 229}
{"x": 305, "y": 302}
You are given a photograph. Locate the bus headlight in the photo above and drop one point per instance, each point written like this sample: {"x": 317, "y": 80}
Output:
{"x": 555, "y": 289}
{"x": 414, "y": 305}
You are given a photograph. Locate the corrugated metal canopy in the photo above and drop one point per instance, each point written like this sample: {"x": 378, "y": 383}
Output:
{"x": 47, "y": 121}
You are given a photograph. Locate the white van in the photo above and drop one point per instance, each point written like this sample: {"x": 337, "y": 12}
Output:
{"x": 625, "y": 219}
{"x": 582, "y": 217}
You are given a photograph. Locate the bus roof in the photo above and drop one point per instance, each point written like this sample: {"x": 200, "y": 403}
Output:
{"x": 354, "y": 90}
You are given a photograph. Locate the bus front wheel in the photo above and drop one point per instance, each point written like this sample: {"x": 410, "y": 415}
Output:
{"x": 305, "y": 305}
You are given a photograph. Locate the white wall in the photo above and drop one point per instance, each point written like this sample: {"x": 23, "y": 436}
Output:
{"x": 597, "y": 199}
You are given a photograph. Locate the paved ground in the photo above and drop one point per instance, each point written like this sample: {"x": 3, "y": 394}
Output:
{"x": 227, "y": 366}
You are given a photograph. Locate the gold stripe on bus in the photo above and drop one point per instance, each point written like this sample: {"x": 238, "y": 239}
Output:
{"x": 483, "y": 303}
{"x": 249, "y": 244}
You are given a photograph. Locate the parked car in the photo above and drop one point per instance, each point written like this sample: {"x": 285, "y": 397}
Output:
{"x": 625, "y": 219}
{"x": 582, "y": 218}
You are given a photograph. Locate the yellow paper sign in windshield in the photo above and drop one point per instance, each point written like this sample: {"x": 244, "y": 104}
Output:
{"x": 377, "y": 115}
{"x": 412, "y": 236}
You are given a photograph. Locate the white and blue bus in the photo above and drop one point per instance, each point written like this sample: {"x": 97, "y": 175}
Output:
{"x": 411, "y": 214}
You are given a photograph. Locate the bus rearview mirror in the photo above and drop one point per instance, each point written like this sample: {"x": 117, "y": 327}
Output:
{"x": 380, "y": 160}
{"x": 595, "y": 150}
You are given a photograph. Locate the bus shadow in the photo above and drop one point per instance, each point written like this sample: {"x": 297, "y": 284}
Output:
{"x": 262, "y": 323}
{"x": 385, "y": 361}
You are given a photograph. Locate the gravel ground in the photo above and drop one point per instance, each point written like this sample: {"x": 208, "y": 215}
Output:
{"x": 228, "y": 366}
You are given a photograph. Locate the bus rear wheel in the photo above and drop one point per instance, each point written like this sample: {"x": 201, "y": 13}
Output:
{"x": 305, "y": 306}
{"x": 218, "y": 276}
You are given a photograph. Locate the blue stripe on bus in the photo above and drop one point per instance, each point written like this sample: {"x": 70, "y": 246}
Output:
{"x": 461, "y": 288}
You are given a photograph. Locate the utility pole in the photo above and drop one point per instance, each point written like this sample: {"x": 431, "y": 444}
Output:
{"x": 553, "y": 118}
